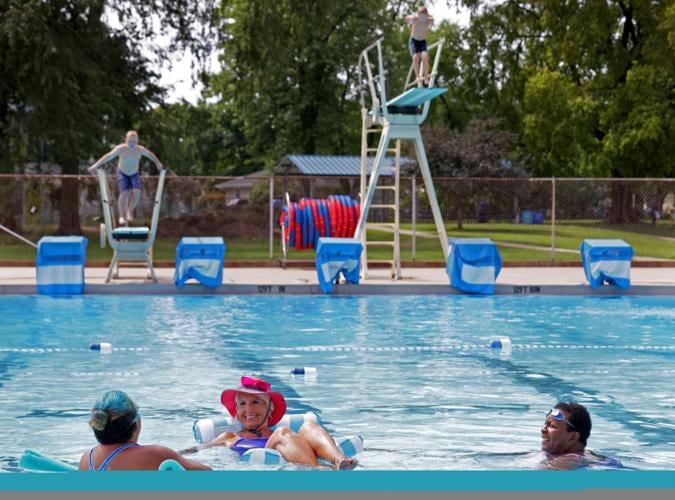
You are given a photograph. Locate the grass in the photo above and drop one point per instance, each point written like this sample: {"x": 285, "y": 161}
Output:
{"x": 568, "y": 236}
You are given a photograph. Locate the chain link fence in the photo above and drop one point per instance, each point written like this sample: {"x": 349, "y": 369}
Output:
{"x": 531, "y": 220}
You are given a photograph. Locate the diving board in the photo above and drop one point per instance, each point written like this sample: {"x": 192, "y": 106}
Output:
{"x": 129, "y": 244}
{"x": 394, "y": 119}
{"x": 417, "y": 96}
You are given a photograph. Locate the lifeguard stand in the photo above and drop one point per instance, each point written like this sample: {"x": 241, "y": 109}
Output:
{"x": 129, "y": 244}
{"x": 396, "y": 119}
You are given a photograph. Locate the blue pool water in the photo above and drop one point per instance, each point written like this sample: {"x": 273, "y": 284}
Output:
{"x": 412, "y": 375}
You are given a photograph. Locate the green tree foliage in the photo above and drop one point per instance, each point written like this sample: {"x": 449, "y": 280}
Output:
{"x": 588, "y": 84}
{"x": 72, "y": 84}
{"x": 196, "y": 140}
{"x": 289, "y": 70}
{"x": 70, "y": 81}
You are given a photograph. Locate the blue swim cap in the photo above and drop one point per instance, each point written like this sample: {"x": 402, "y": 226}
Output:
{"x": 111, "y": 406}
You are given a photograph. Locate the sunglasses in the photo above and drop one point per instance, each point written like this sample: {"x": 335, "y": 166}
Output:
{"x": 558, "y": 415}
{"x": 255, "y": 383}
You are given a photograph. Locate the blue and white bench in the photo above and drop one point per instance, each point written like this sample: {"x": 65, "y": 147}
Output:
{"x": 60, "y": 265}
{"x": 473, "y": 265}
{"x": 606, "y": 261}
{"x": 335, "y": 257}
{"x": 200, "y": 259}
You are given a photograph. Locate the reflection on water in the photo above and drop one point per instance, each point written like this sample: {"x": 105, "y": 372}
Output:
{"x": 412, "y": 375}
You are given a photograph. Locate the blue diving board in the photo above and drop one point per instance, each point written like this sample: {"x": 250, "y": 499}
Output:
{"x": 417, "y": 96}
{"x": 606, "y": 261}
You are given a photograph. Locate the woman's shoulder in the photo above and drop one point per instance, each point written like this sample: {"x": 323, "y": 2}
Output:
{"x": 157, "y": 449}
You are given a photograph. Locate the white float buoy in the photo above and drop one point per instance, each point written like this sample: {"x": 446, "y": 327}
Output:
{"x": 103, "y": 347}
{"x": 502, "y": 344}
{"x": 304, "y": 370}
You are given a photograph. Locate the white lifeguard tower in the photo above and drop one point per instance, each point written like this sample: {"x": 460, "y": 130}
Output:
{"x": 396, "y": 119}
{"x": 130, "y": 244}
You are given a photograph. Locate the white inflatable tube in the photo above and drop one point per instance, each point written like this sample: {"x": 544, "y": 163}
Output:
{"x": 207, "y": 429}
{"x": 349, "y": 446}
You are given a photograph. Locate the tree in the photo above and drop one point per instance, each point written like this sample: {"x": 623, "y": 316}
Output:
{"x": 72, "y": 84}
{"x": 482, "y": 150}
{"x": 591, "y": 83}
{"x": 196, "y": 140}
{"x": 289, "y": 71}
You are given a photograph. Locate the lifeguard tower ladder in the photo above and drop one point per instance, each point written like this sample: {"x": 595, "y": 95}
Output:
{"x": 396, "y": 119}
{"x": 129, "y": 244}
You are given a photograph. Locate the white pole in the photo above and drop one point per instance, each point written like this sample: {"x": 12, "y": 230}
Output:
{"x": 372, "y": 183}
{"x": 271, "y": 200}
{"x": 553, "y": 219}
{"x": 431, "y": 193}
{"x": 17, "y": 236}
{"x": 414, "y": 216}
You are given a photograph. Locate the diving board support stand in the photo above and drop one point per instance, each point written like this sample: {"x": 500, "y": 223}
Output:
{"x": 400, "y": 119}
{"x": 130, "y": 244}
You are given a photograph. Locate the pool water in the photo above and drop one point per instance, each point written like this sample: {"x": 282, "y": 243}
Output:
{"x": 413, "y": 375}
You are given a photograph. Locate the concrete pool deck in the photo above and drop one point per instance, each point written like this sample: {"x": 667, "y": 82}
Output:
{"x": 303, "y": 281}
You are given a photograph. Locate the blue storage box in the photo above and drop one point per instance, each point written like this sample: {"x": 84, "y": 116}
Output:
{"x": 335, "y": 256}
{"x": 473, "y": 264}
{"x": 606, "y": 261}
{"x": 200, "y": 259}
{"x": 60, "y": 265}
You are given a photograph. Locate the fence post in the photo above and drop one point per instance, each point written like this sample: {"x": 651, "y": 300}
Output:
{"x": 271, "y": 200}
{"x": 414, "y": 217}
{"x": 553, "y": 219}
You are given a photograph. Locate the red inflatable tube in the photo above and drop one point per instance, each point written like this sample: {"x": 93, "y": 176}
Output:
{"x": 318, "y": 220}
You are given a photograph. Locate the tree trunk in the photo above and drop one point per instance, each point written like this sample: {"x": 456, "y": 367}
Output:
{"x": 69, "y": 204}
{"x": 621, "y": 210}
{"x": 460, "y": 216}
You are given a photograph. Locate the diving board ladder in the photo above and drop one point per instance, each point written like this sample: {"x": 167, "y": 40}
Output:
{"x": 395, "y": 120}
{"x": 129, "y": 244}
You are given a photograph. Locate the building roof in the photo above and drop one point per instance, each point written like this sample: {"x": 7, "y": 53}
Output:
{"x": 244, "y": 181}
{"x": 338, "y": 165}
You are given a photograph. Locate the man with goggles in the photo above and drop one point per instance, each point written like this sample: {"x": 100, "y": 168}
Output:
{"x": 564, "y": 436}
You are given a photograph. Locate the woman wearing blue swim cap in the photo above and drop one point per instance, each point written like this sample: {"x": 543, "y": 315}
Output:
{"x": 117, "y": 424}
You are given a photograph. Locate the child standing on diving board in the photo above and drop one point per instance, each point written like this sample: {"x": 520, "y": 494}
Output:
{"x": 128, "y": 180}
{"x": 420, "y": 23}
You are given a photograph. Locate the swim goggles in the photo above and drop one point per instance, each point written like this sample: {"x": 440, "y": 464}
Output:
{"x": 558, "y": 415}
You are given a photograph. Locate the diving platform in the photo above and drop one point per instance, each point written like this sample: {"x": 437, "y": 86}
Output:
{"x": 417, "y": 96}
{"x": 394, "y": 119}
{"x": 129, "y": 244}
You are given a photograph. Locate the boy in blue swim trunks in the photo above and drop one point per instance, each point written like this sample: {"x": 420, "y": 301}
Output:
{"x": 420, "y": 24}
{"x": 128, "y": 180}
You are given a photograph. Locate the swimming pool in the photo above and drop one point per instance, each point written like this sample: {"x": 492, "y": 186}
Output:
{"x": 411, "y": 374}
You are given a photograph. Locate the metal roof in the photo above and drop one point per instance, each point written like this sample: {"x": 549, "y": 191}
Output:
{"x": 338, "y": 165}
{"x": 243, "y": 181}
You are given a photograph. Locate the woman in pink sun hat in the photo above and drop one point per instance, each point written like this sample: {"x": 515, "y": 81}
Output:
{"x": 258, "y": 408}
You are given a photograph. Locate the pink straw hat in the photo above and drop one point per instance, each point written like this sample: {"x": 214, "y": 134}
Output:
{"x": 252, "y": 385}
